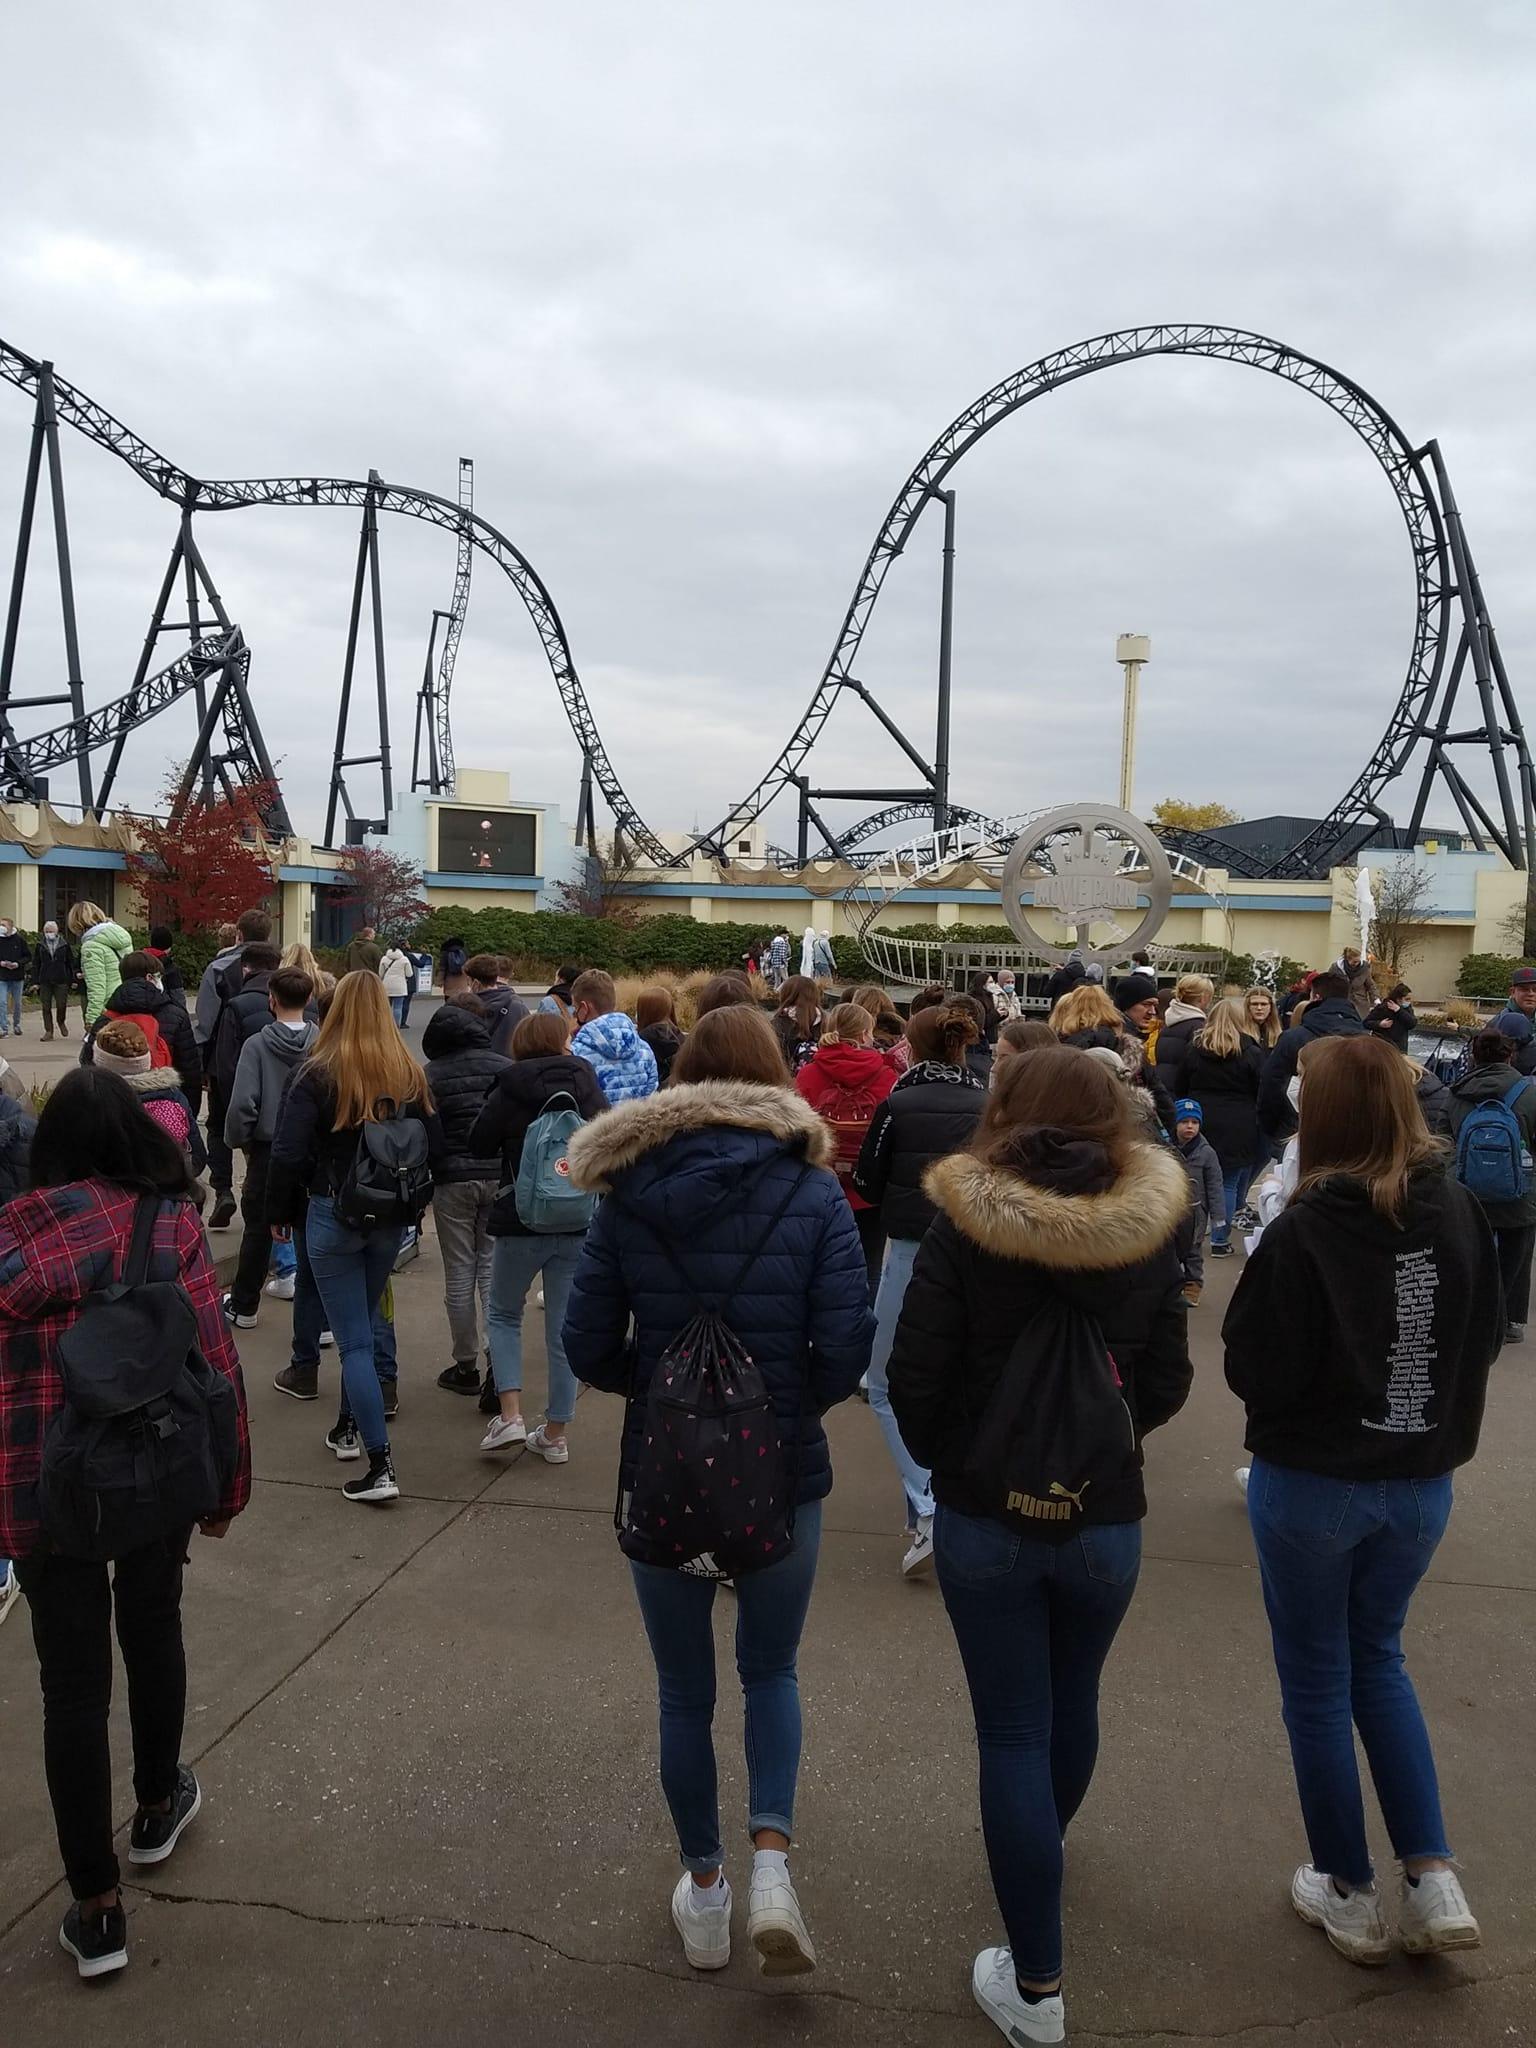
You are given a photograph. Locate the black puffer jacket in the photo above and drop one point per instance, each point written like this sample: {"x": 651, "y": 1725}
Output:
{"x": 1334, "y": 1018}
{"x": 504, "y": 1011}
{"x": 241, "y": 1018}
{"x": 174, "y": 1025}
{"x": 1002, "y": 1249}
{"x": 933, "y": 1109}
{"x": 522, "y": 1092}
{"x": 1227, "y": 1091}
{"x": 461, "y": 1072}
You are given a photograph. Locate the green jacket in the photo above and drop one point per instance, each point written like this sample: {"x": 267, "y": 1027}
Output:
{"x": 102, "y": 949}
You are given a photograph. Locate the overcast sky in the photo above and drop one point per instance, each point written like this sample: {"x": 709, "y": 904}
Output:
{"x": 695, "y": 285}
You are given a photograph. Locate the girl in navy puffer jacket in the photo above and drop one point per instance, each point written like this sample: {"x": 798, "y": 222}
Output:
{"x": 707, "y": 1164}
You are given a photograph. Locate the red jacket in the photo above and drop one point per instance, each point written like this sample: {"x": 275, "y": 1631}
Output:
{"x": 845, "y": 1085}
{"x": 58, "y": 1245}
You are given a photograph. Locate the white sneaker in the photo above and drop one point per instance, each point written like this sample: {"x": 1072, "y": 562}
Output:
{"x": 281, "y": 1286}
{"x": 919, "y": 1557}
{"x": 539, "y": 1298}
{"x": 554, "y": 1450}
{"x": 775, "y": 1925}
{"x": 1354, "y": 1924}
{"x": 1242, "y": 1475}
{"x": 996, "y": 1990}
{"x": 10, "y": 1591}
{"x": 1435, "y": 1915}
{"x": 326, "y": 1340}
{"x": 502, "y": 1436}
{"x": 705, "y": 1930}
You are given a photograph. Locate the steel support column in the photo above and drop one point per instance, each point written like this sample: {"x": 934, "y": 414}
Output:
{"x": 946, "y": 651}
{"x": 75, "y": 682}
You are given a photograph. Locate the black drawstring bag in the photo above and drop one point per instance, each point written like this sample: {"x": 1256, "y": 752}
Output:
{"x": 714, "y": 1492}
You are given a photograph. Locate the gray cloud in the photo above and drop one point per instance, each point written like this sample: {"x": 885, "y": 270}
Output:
{"x": 696, "y": 287}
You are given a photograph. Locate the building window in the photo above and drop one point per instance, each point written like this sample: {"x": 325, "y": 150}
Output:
{"x": 60, "y": 888}
{"x": 487, "y": 842}
{"x": 743, "y": 846}
{"x": 330, "y": 925}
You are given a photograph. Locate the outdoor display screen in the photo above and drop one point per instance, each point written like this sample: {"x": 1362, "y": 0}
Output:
{"x": 487, "y": 842}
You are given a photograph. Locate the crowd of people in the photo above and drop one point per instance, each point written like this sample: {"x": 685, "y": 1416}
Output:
{"x": 991, "y": 1223}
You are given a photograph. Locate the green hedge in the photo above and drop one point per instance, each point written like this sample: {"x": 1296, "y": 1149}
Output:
{"x": 1486, "y": 975}
{"x": 539, "y": 941}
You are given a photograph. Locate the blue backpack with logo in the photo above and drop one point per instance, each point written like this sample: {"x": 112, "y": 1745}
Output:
{"x": 1493, "y": 1160}
{"x": 546, "y": 1201}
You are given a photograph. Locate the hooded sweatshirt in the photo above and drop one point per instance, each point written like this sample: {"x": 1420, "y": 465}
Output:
{"x": 624, "y": 1064}
{"x": 846, "y": 1084}
{"x": 504, "y": 1010}
{"x": 1180, "y": 1028}
{"x": 267, "y": 1063}
{"x": 1495, "y": 1084}
{"x": 1517, "y": 1025}
{"x": 1335, "y": 1018}
{"x": 1361, "y": 1350}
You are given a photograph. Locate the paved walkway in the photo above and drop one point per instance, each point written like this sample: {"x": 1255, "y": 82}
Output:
{"x": 426, "y": 1739}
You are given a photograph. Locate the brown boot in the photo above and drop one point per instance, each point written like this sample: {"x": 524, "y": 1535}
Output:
{"x": 1191, "y": 1293}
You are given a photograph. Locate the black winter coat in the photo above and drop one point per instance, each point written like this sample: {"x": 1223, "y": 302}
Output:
{"x": 1227, "y": 1091}
{"x": 58, "y": 969}
{"x": 311, "y": 1157}
{"x": 241, "y": 1018}
{"x": 1335, "y": 1018}
{"x": 15, "y": 956}
{"x": 504, "y": 1011}
{"x": 1002, "y": 1249}
{"x": 1173, "y": 1042}
{"x": 1361, "y": 1350}
{"x": 172, "y": 1022}
{"x": 522, "y": 1092}
{"x": 932, "y": 1110}
{"x": 708, "y": 1166}
{"x": 1064, "y": 980}
{"x": 666, "y": 1041}
{"x": 1395, "y": 1026}
{"x": 461, "y": 1072}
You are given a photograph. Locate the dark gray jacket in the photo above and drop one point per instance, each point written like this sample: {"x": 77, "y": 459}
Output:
{"x": 461, "y": 1072}
{"x": 268, "y": 1061}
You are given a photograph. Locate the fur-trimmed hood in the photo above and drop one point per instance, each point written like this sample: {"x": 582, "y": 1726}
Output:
{"x": 156, "y": 1082}
{"x": 613, "y": 1143}
{"x": 1011, "y": 1217}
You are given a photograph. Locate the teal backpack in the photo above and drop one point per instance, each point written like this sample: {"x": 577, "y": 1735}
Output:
{"x": 546, "y": 1201}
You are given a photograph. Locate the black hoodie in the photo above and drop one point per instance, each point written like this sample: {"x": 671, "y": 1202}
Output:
{"x": 1361, "y": 1350}
{"x": 1337, "y": 1017}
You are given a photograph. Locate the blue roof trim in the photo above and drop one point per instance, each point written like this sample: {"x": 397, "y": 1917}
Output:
{"x": 13, "y": 855}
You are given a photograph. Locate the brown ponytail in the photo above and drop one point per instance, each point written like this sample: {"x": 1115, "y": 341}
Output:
{"x": 943, "y": 1033}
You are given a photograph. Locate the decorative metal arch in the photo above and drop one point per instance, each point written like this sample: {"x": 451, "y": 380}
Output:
{"x": 1357, "y": 815}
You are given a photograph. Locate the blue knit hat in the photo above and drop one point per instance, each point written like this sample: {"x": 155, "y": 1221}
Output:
{"x": 1187, "y": 1111}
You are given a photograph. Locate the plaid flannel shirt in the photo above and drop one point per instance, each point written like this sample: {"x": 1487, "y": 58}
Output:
{"x": 57, "y": 1245}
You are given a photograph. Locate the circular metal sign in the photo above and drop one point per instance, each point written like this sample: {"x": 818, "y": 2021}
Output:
{"x": 1084, "y": 848}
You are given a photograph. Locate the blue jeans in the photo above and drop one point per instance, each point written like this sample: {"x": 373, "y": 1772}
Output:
{"x": 900, "y": 1254}
{"x": 1034, "y": 1622}
{"x": 771, "y": 1607}
{"x": 1235, "y": 1184}
{"x": 284, "y": 1258}
{"x": 515, "y": 1263}
{"x": 12, "y": 993}
{"x": 400, "y": 1007}
{"x": 351, "y": 1269}
{"x": 1340, "y": 1561}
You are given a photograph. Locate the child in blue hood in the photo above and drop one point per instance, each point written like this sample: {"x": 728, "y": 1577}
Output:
{"x": 607, "y": 1040}
{"x": 1205, "y": 1187}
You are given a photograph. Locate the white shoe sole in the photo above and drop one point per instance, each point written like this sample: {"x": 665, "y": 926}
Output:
{"x": 377, "y": 1498}
{"x": 1429, "y": 1941}
{"x": 505, "y": 1443}
{"x": 1368, "y": 1955}
{"x": 94, "y": 1966}
{"x": 784, "y": 1948}
{"x": 915, "y": 1567}
{"x": 346, "y": 1454}
{"x": 698, "y": 1958}
{"x": 1040, "y": 2027}
{"x": 159, "y": 1855}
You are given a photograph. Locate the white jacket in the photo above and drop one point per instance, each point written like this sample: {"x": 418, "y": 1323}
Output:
{"x": 395, "y": 972}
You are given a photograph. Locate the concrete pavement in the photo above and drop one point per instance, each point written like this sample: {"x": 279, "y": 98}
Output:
{"x": 426, "y": 1737}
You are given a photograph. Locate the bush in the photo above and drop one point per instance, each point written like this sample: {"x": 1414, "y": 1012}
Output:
{"x": 1486, "y": 975}
{"x": 539, "y": 941}
{"x": 1239, "y": 967}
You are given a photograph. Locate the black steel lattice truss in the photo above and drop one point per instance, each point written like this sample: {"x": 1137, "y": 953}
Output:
{"x": 1452, "y": 633}
{"x": 434, "y": 723}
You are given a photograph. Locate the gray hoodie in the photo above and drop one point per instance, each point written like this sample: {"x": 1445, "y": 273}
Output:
{"x": 267, "y": 1063}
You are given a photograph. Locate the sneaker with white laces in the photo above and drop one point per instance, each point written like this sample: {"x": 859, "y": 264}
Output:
{"x": 995, "y": 1989}
{"x": 1435, "y": 1916}
{"x": 505, "y": 1435}
{"x": 919, "y": 1557}
{"x": 237, "y": 1318}
{"x": 702, "y": 1917}
{"x": 282, "y": 1286}
{"x": 1353, "y": 1921}
{"x": 554, "y": 1450}
{"x": 775, "y": 1925}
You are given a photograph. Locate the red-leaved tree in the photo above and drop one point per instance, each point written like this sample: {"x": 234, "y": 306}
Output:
{"x": 383, "y": 888}
{"x": 210, "y": 864}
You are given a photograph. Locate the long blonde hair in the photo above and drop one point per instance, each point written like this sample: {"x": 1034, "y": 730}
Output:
{"x": 1223, "y": 1034}
{"x": 298, "y": 955}
{"x": 1267, "y": 1032}
{"x": 1084, "y": 1008}
{"x": 361, "y": 1056}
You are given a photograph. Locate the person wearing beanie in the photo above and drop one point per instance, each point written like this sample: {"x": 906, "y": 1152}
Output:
{"x": 1206, "y": 1192}
{"x": 121, "y": 1048}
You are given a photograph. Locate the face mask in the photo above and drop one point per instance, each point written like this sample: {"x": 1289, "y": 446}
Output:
{"x": 1293, "y": 1092}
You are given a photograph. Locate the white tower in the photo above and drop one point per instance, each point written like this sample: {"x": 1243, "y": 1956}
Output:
{"x": 1131, "y": 650}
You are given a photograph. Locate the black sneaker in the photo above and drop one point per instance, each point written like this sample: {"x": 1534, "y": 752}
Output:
{"x": 342, "y": 1438}
{"x": 1222, "y": 1251}
{"x": 237, "y": 1318}
{"x": 155, "y": 1835}
{"x": 391, "y": 1392}
{"x": 490, "y": 1400}
{"x": 459, "y": 1379}
{"x": 97, "y": 1941}
{"x": 301, "y": 1381}
{"x": 223, "y": 1211}
{"x": 377, "y": 1484}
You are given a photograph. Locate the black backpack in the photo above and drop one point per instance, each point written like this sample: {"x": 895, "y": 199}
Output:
{"x": 714, "y": 1492}
{"x": 148, "y": 1439}
{"x": 1055, "y": 1429}
{"x": 389, "y": 1183}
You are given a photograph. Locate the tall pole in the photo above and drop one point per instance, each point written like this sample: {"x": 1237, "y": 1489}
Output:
{"x": 946, "y": 650}
{"x": 1131, "y": 651}
{"x": 73, "y": 681}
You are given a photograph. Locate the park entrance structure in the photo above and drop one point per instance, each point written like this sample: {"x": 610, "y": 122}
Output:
{"x": 1455, "y": 701}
